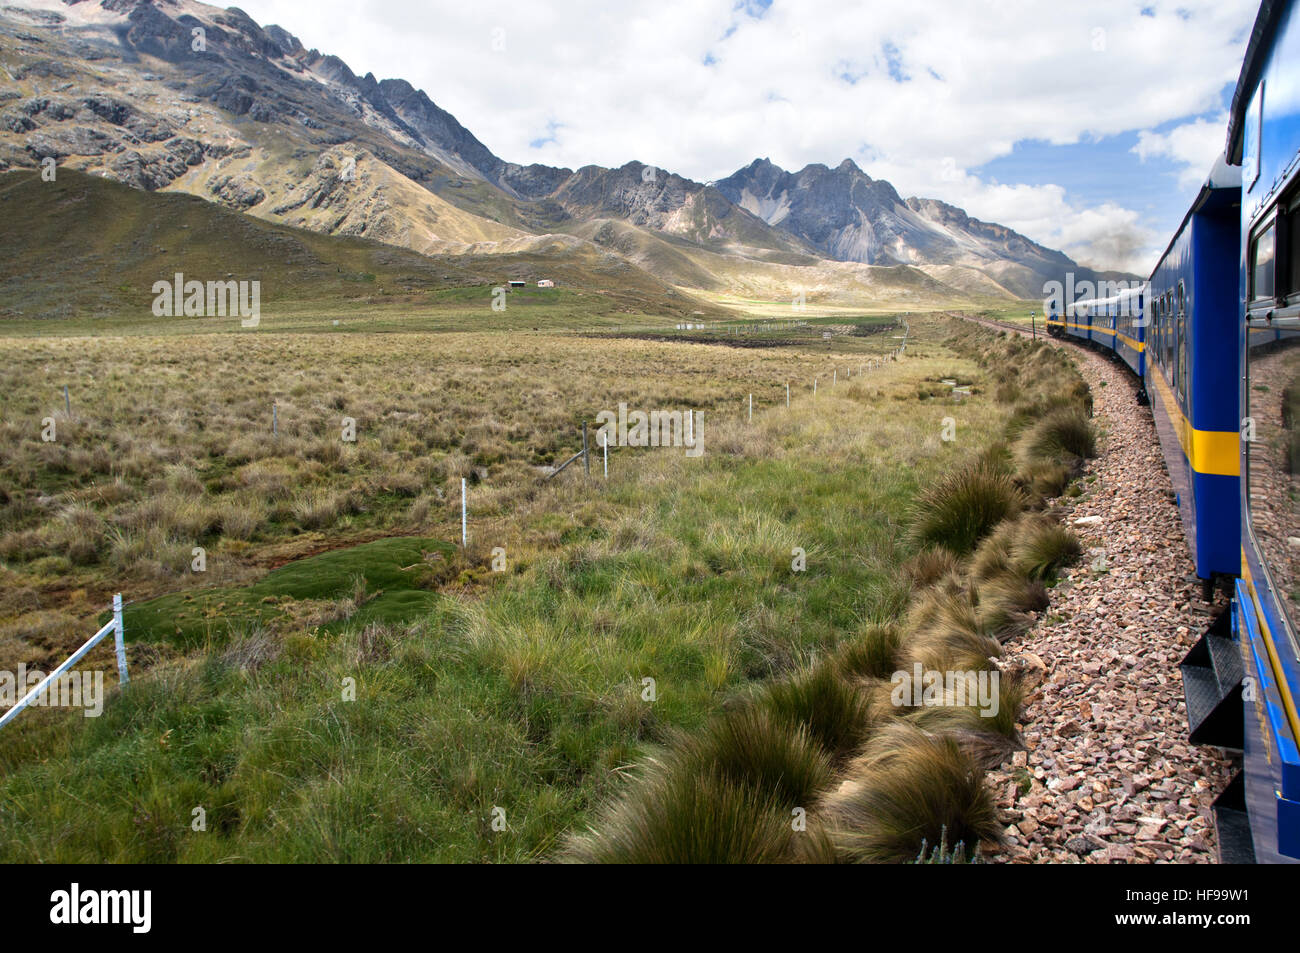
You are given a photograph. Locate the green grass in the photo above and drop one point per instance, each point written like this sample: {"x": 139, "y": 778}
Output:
{"x": 169, "y": 446}
{"x": 521, "y": 691}
{"x": 920, "y": 769}
{"x": 497, "y": 717}
{"x": 389, "y": 578}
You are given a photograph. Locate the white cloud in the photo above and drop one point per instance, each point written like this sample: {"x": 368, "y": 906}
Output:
{"x": 1194, "y": 145}
{"x": 1108, "y": 236}
{"x": 809, "y": 81}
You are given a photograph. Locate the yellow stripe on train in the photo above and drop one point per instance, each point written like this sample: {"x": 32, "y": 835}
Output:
{"x": 1135, "y": 345}
{"x": 1214, "y": 452}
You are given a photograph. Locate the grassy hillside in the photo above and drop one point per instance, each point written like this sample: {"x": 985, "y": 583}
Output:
{"x": 91, "y": 248}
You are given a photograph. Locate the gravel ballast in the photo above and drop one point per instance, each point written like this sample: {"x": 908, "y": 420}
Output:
{"x": 1109, "y": 775}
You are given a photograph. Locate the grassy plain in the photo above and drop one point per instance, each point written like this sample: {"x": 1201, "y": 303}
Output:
{"x": 170, "y": 446}
{"x": 474, "y": 690}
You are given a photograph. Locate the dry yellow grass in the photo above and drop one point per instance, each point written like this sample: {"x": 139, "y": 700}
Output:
{"x": 169, "y": 444}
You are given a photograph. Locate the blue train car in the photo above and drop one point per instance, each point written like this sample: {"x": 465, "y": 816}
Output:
{"x": 1095, "y": 321}
{"x": 1130, "y": 333}
{"x": 1116, "y": 323}
{"x": 1190, "y": 328}
{"x": 1254, "y": 660}
{"x": 1078, "y": 320}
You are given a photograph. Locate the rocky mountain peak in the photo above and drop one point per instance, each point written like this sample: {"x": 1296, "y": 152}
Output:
{"x": 316, "y": 102}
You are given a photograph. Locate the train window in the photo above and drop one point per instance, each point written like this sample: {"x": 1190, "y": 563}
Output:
{"x": 1160, "y": 328}
{"x": 1272, "y": 471}
{"x": 1157, "y": 328}
{"x": 1289, "y": 260}
{"x": 1262, "y": 271}
{"x": 1252, "y": 140}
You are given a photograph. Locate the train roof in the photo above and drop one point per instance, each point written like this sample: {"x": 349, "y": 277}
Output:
{"x": 1261, "y": 41}
{"x": 1113, "y": 299}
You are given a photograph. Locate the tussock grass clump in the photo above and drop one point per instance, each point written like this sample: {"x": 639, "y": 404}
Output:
{"x": 988, "y": 738}
{"x": 249, "y": 651}
{"x": 22, "y": 546}
{"x": 834, "y": 711}
{"x": 676, "y": 817}
{"x": 1062, "y": 435}
{"x": 241, "y": 519}
{"x": 1008, "y": 392}
{"x": 723, "y": 795}
{"x": 374, "y": 642}
{"x": 1043, "y": 548}
{"x": 1044, "y": 479}
{"x": 993, "y": 555}
{"x": 874, "y": 654}
{"x": 963, "y": 506}
{"x": 751, "y": 746}
{"x": 929, "y": 566}
{"x": 948, "y": 604}
{"x": 1005, "y": 602}
{"x": 948, "y": 633}
{"x": 911, "y": 788}
{"x": 1034, "y": 546}
{"x": 318, "y": 508}
{"x": 987, "y": 741}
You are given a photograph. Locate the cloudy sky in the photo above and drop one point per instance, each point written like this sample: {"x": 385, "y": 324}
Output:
{"x": 1086, "y": 125}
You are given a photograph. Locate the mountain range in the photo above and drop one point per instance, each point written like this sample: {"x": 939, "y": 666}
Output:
{"x": 179, "y": 96}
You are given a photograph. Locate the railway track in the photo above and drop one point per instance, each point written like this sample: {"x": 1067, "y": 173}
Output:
{"x": 1111, "y": 776}
{"x": 995, "y": 325}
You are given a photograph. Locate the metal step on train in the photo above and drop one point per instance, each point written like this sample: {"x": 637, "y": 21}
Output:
{"x": 1212, "y": 689}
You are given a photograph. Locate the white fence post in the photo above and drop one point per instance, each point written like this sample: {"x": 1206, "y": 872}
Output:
{"x": 464, "y": 517}
{"x": 120, "y": 638}
{"x": 751, "y": 408}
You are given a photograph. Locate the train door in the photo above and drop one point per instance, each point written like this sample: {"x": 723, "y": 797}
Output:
{"x": 1159, "y": 305}
{"x": 1183, "y": 366}
{"x": 1171, "y": 337}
